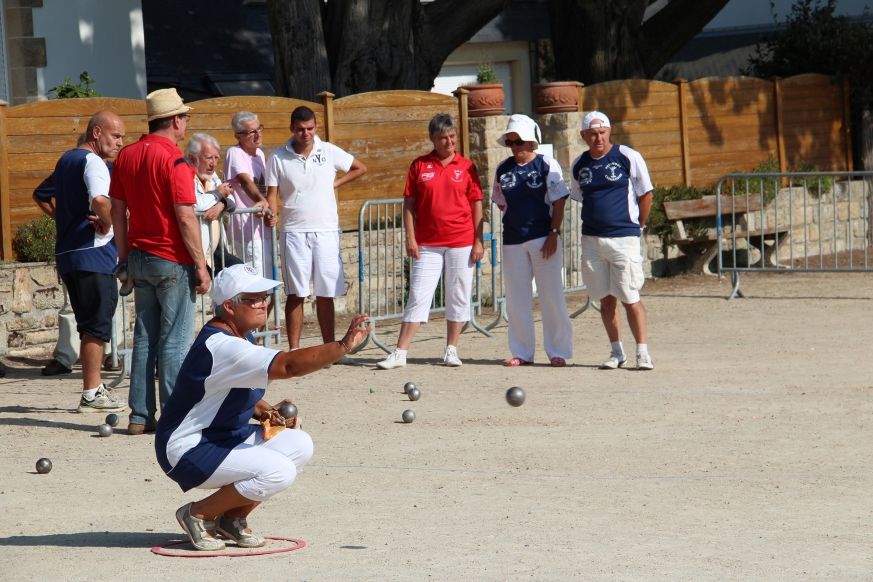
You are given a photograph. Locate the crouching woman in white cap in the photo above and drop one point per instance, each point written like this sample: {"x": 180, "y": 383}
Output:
{"x": 529, "y": 188}
{"x": 205, "y": 438}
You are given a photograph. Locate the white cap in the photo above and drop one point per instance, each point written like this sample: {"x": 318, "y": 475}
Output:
{"x": 236, "y": 279}
{"x": 594, "y": 120}
{"x": 526, "y": 128}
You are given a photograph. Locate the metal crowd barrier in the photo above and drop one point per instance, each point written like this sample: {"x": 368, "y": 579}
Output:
{"x": 798, "y": 221}
{"x": 384, "y": 269}
{"x": 251, "y": 234}
{"x": 571, "y": 244}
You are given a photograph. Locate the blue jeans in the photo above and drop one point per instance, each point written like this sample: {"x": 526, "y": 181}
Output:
{"x": 164, "y": 330}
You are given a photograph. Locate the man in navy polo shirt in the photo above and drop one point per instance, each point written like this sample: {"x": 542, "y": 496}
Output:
{"x": 613, "y": 184}
{"x": 85, "y": 250}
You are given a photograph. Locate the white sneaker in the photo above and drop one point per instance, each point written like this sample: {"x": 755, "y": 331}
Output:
{"x": 613, "y": 362}
{"x": 394, "y": 360}
{"x": 451, "y": 358}
{"x": 644, "y": 362}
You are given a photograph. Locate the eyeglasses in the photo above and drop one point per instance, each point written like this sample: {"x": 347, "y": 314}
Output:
{"x": 185, "y": 116}
{"x": 514, "y": 142}
{"x": 255, "y": 302}
{"x": 252, "y": 132}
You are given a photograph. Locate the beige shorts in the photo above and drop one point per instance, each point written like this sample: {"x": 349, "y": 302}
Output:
{"x": 613, "y": 266}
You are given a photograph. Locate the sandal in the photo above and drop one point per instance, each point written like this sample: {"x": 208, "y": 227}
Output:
{"x": 234, "y": 528}
{"x": 558, "y": 362}
{"x": 514, "y": 362}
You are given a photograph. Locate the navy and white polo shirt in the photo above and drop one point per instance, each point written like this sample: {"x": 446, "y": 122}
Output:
{"x": 526, "y": 193}
{"x": 608, "y": 188}
{"x": 210, "y": 410}
{"x": 80, "y": 176}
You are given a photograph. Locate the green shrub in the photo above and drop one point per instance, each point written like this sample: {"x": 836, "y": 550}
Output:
{"x": 69, "y": 90}
{"x": 485, "y": 74}
{"x": 34, "y": 241}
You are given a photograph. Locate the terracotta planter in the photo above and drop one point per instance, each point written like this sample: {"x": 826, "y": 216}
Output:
{"x": 557, "y": 97}
{"x": 485, "y": 99}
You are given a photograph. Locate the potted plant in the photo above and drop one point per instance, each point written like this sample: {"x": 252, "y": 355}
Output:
{"x": 486, "y": 97}
{"x": 557, "y": 96}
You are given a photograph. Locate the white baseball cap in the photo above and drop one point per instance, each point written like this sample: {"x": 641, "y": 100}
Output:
{"x": 594, "y": 120}
{"x": 526, "y": 128}
{"x": 236, "y": 279}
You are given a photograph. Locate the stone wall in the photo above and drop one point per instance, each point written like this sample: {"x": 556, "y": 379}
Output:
{"x": 30, "y": 298}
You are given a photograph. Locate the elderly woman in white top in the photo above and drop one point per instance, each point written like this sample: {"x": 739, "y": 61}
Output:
{"x": 530, "y": 191}
{"x": 213, "y": 198}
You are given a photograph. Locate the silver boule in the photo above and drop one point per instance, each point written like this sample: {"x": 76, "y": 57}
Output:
{"x": 43, "y": 466}
{"x": 288, "y": 410}
{"x": 515, "y": 396}
{"x": 408, "y": 386}
{"x": 104, "y": 430}
{"x": 414, "y": 394}
{"x": 408, "y": 416}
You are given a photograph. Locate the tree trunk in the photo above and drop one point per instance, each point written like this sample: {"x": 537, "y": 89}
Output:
{"x": 301, "y": 67}
{"x": 353, "y": 46}
{"x": 598, "y": 41}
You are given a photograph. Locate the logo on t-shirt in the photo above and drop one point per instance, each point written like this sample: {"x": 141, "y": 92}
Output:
{"x": 534, "y": 180}
{"x": 613, "y": 171}
{"x": 583, "y": 176}
{"x": 426, "y": 176}
{"x": 319, "y": 158}
{"x": 508, "y": 181}
{"x": 458, "y": 175}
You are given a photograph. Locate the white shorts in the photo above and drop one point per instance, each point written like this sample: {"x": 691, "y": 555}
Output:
{"x": 425, "y": 276}
{"x": 259, "y": 469}
{"x": 612, "y": 266}
{"x": 312, "y": 257}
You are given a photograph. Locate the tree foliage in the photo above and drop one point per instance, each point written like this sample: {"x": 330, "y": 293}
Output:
{"x": 596, "y": 41}
{"x": 815, "y": 40}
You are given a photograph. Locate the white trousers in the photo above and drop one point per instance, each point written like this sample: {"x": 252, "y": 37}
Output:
{"x": 260, "y": 469}
{"x": 425, "y": 276}
{"x": 521, "y": 264}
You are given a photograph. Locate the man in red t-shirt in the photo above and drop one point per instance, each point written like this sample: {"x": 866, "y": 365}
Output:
{"x": 442, "y": 215}
{"x": 159, "y": 251}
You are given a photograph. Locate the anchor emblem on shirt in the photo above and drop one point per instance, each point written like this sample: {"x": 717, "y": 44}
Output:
{"x": 534, "y": 180}
{"x": 458, "y": 174}
{"x": 613, "y": 171}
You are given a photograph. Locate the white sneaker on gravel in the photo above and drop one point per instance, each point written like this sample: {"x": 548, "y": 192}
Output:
{"x": 451, "y": 357}
{"x": 644, "y": 362}
{"x": 613, "y": 362}
{"x": 394, "y": 360}
{"x": 103, "y": 401}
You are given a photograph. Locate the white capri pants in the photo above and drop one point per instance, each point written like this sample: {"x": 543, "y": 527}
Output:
{"x": 260, "y": 469}
{"x": 613, "y": 266}
{"x": 315, "y": 257}
{"x": 521, "y": 263}
{"x": 425, "y": 276}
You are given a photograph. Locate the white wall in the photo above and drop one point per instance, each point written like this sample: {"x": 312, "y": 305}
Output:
{"x": 102, "y": 37}
{"x": 757, "y": 12}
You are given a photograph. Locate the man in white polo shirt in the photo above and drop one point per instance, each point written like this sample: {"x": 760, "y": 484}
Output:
{"x": 301, "y": 183}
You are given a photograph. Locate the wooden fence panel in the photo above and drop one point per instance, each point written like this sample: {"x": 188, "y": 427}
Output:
{"x": 386, "y": 130}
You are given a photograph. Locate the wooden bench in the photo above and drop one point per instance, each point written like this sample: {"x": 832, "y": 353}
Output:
{"x": 701, "y": 249}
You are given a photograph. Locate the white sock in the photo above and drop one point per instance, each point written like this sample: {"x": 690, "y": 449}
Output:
{"x": 400, "y": 352}
{"x": 642, "y": 349}
{"x": 91, "y": 393}
{"x": 617, "y": 350}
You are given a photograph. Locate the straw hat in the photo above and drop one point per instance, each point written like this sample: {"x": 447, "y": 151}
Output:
{"x": 164, "y": 103}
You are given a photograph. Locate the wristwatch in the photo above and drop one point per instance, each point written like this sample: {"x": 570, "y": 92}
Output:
{"x": 556, "y": 230}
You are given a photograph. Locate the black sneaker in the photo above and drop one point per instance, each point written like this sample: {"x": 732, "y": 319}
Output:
{"x": 55, "y": 368}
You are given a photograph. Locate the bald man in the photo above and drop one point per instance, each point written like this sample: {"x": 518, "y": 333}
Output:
{"x": 76, "y": 196}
